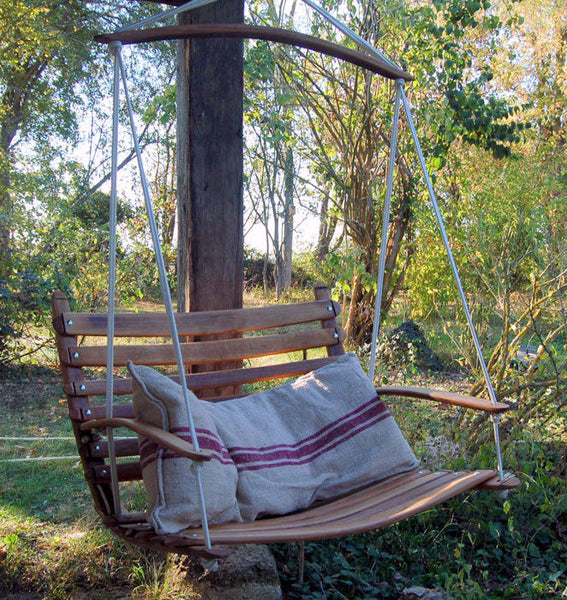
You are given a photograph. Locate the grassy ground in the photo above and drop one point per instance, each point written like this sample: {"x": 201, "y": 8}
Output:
{"x": 476, "y": 546}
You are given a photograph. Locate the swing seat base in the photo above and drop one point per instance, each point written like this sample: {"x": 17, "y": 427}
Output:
{"x": 292, "y": 330}
{"x": 373, "y": 507}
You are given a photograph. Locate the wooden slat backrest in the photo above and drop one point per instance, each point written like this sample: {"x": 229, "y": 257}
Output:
{"x": 198, "y": 381}
{"x": 79, "y": 408}
{"x": 196, "y": 353}
{"x": 198, "y": 323}
{"x": 274, "y": 323}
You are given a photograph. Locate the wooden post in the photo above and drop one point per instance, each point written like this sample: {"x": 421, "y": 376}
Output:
{"x": 210, "y": 170}
{"x": 210, "y": 164}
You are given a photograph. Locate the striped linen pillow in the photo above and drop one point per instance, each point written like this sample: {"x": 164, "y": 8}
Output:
{"x": 315, "y": 438}
{"x": 173, "y": 503}
{"x": 275, "y": 451}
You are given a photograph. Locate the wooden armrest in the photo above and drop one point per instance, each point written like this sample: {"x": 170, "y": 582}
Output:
{"x": 164, "y": 438}
{"x": 453, "y": 398}
{"x": 508, "y": 483}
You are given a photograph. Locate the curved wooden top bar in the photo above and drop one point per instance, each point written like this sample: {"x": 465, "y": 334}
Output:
{"x": 271, "y": 34}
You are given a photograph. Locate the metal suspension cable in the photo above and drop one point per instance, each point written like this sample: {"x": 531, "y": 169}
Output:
{"x": 41, "y": 438}
{"x": 114, "y": 50}
{"x": 385, "y": 226}
{"x": 38, "y": 459}
{"x": 166, "y": 295}
{"x": 165, "y": 14}
{"x": 433, "y": 198}
{"x": 350, "y": 33}
{"x": 33, "y": 439}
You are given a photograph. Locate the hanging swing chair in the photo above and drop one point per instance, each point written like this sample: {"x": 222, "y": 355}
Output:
{"x": 110, "y": 463}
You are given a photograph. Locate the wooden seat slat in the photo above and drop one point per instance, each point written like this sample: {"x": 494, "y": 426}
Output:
{"x": 379, "y": 505}
{"x": 390, "y": 488}
{"x": 199, "y": 381}
{"x": 384, "y": 496}
{"x": 496, "y": 484}
{"x": 127, "y": 471}
{"x": 404, "y": 496}
{"x": 199, "y": 323}
{"x": 121, "y": 448}
{"x": 205, "y": 352}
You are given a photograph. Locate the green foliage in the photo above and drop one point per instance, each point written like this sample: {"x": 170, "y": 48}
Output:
{"x": 24, "y": 304}
{"x": 450, "y": 48}
{"x": 58, "y": 562}
{"x": 406, "y": 349}
{"x": 475, "y": 547}
{"x": 162, "y": 107}
{"x": 44, "y": 53}
{"x": 52, "y": 222}
{"x": 306, "y": 270}
{"x": 501, "y": 234}
{"x": 342, "y": 268}
{"x": 64, "y": 248}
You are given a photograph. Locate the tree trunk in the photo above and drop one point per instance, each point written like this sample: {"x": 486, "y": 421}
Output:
{"x": 5, "y": 214}
{"x": 276, "y": 237}
{"x": 9, "y": 125}
{"x": 327, "y": 227}
{"x": 210, "y": 165}
{"x": 18, "y": 83}
{"x": 289, "y": 211}
{"x": 354, "y": 305}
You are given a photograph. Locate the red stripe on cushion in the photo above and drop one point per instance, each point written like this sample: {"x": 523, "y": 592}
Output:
{"x": 380, "y": 407}
{"x": 207, "y": 441}
{"x": 301, "y": 453}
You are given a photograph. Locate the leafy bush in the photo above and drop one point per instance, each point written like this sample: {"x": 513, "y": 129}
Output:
{"x": 476, "y": 546}
{"x": 306, "y": 271}
{"x": 24, "y": 303}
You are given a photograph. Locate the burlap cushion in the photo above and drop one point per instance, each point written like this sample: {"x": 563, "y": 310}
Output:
{"x": 311, "y": 439}
{"x": 317, "y": 437}
{"x": 173, "y": 502}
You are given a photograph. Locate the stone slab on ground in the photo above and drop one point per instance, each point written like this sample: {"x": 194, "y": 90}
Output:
{"x": 421, "y": 593}
{"x": 249, "y": 573}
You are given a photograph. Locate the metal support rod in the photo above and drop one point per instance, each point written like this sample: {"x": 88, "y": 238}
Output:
{"x": 114, "y": 50}
{"x": 433, "y": 198}
{"x": 166, "y": 295}
{"x": 193, "y": 4}
{"x": 385, "y": 226}
{"x": 350, "y": 33}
